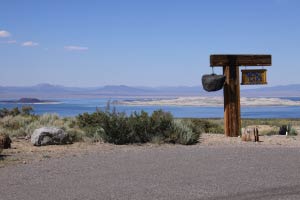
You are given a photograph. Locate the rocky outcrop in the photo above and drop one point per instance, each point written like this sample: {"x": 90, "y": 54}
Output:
{"x": 48, "y": 136}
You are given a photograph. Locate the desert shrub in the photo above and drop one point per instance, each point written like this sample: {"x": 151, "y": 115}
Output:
{"x": 15, "y": 111}
{"x": 4, "y": 112}
{"x": 25, "y": 110}
{"x": 137, "y": 128}
{"x": 271, "y": 122}
{"x": 293, "y": 132}
{"x": 287, "y": 129}
{"x": 10, "y": 122}
{"x": 90, "y": 120}
{"x": 92, "y": 135}
{"x": 207, "y": 126}
{"x": 16, "y": 125}
{"x": 23, "y": 125}
{"x": 68, "y": 124}
{"x": 184, "y": 132}
{"x": 109, "y": 126}
{"x": 157, "y": 139}
{"x": 140, "y": 127}
{"x": 161, "y": 123}
{"x": 270, "y": 132}
{"x": 118, "y": 128}
{"x": 45, "y": 120}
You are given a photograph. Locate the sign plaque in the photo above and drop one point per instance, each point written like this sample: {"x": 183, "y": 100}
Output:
{"x": 254, "y": 77}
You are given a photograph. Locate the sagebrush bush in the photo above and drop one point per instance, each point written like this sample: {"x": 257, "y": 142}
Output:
{"x": 161, "y": 123}
{"x": 21, "y": 125}
{"x": 108, "y": 126}
{"x": 207, "y": 126}
{"x": 16, "y": 125}
{"x": 182, "y": 133}
{"x": 25, "y": 111}
{"x": 140, "y": 127}
{"x": 118, "y": 128}
{"x": 293, "y": 132}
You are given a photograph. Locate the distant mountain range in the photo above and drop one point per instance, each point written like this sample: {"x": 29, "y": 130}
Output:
{"x": 57, "y": 91}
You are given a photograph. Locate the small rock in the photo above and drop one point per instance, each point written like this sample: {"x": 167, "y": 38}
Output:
{"x": 27, "y": 137}
{"x": 24, "y": 162}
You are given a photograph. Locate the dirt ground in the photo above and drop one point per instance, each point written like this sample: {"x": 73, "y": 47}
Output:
{"x": 23, "y": 152}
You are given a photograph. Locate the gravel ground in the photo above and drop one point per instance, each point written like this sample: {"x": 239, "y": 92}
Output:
{"x": 217, "y": 168}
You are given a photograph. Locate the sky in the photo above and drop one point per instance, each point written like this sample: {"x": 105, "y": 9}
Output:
{"x": 142, "y": 42}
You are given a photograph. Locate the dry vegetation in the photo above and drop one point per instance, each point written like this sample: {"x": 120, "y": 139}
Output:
{"x": 102, "y": 129}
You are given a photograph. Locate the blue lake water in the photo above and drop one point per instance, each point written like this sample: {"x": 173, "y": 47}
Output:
{"x": 73, "y": 107}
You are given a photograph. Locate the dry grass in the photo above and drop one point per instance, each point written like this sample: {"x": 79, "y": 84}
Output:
{"x": 23, "y": 152}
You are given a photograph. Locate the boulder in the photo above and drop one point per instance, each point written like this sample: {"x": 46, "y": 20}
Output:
{"x": 5, "y": 141}
{"x": 49, "y": 135}
{"x": 213, "y": 82}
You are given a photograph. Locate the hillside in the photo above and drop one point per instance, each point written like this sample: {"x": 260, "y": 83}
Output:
{"x": 57, "y": 91}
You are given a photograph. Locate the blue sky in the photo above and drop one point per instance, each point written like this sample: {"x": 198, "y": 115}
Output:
{"x": 142, "y": 43}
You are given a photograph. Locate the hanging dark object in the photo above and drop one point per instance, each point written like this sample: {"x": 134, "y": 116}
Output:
{"x": 213, "y": 82}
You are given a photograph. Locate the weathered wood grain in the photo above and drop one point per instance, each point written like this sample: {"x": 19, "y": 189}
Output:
{"x": 232, "y": 111}
{"x": 240, "y": 60}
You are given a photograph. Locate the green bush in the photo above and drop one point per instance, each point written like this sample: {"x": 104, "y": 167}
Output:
{"x": 108, "y": 126}
{"x": 207, "y": 126}
{"x": 21, "y": 125}
{"x": 140, "y": 127}
{"x": 269, "y": 133}
{"x": 293, "y": 132}
{"x": 16, "y": 125}
{"x": 184, "y": 132}
{"x": 25, "y": 110}
{"x": 118, "y": 128}
{"x": 161, "y": 123}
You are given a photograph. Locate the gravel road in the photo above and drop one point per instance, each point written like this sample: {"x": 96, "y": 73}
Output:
{"x": 163, "y": 172}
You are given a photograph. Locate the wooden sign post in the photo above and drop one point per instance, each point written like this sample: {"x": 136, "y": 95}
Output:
{"x": 231, "y": 64}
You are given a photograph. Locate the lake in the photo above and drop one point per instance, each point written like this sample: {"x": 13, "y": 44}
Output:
{"x": 73, "y": 107}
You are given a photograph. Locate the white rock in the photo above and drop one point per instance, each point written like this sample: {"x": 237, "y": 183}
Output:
{"x": 49, "y": 135}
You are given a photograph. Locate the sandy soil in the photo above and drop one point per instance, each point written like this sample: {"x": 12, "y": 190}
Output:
{"x": 265, "y": 141}
{"x": 211, "y": 101}
{"x": 22, "y": 151}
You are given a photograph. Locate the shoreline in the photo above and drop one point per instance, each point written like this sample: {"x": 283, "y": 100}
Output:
{"x": 209, "y": 102}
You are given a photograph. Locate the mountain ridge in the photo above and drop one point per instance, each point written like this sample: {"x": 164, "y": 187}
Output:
{"x": 59, "y": 91}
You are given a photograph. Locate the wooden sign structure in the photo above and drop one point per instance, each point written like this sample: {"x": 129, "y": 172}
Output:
{"x": 231, "y": 64}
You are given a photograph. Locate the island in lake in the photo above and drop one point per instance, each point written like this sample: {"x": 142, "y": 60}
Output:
{"x": 28, "y": 101}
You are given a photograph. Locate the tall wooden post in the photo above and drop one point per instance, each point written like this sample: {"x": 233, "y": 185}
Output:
{"x": 232, "y": 111}
{"x": 231, "y": 64}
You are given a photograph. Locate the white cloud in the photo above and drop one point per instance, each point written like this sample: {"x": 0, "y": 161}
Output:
{"x": 4, "y": 33}
{"x": 29, "y": 44}
{"x": 75, "y": 48}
